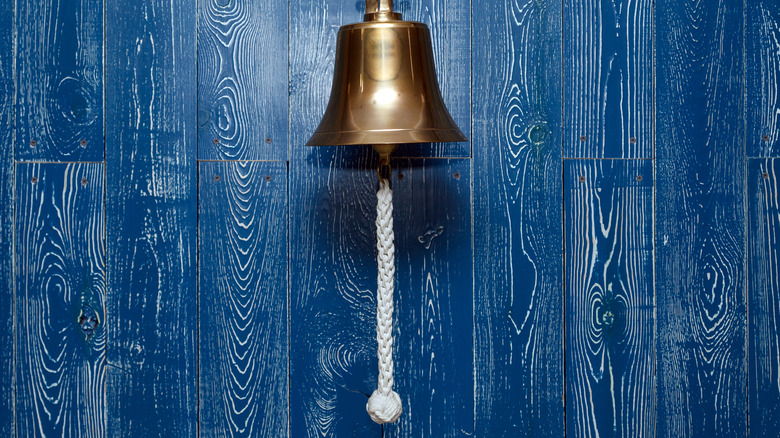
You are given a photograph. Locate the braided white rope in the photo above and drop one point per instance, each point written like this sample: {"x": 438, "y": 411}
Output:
{"x": 384, "y": 406}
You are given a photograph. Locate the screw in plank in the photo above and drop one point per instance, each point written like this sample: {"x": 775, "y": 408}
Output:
{"x": 83, "y": 143}
{"x": 583, "y": 138}
{"x": 33, "y": 143}
{"x": 765, "y": 175}
{"x": 217, "y": 178}
{"x": 632, "y": 140}
{"x": 268, "y": 140}
{"x": 83, "y": 181}
{"x": 582, "y": 178}
{"x": 456, "y": 175}
{"x": 268, "y": 177}
{"x": 34, "y": 179}
{"x": 639, "y": 177}
{"x": 216, "y": 141}
{"x": 765, "y": 137}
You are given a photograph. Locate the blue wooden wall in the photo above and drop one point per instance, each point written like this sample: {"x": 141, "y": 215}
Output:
{"x": 602, "y": 259}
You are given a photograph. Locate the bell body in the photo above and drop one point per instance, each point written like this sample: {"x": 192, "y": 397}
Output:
{"x": 385, "y": 89}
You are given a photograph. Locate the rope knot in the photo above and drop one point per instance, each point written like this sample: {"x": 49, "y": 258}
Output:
{"x": 384, "y": 408}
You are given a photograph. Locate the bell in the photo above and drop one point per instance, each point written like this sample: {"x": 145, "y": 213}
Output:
{"x": 385, "y": 90}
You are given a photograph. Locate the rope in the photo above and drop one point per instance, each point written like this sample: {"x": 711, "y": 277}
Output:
{"x": 384, "y": 406}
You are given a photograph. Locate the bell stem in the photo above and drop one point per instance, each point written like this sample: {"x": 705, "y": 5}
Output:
{"x": 380, "y": 10}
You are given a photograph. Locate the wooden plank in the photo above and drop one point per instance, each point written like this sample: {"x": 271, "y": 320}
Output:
{"x": 243, "y": 301}
{"x": 610, "y": 342}
{"x": 151, "y": 212}
{"x": 762, "y": 45}
{"x": 242, "y": 80}
{"x": 61, "y": 285}
{"x": 7, "y": 304}
{"x": 700, "y": 219}
{"x": 333, "y": 364}
{"x": 763, "y": 275}
{"x": 314, "y": 25}
{"x": 608, "y": 78}
{"x": 59, "y": 75}
{"x": 518, "y": 252}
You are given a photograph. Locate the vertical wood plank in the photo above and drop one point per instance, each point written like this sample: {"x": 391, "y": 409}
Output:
{"x": 151, "y": 215}
{"x": 433, "y": 333}
{"x": 60, "y": 282}
{"x": 7, "y": 303}
{"x": 608, "y": 78}
{"x": 59, "y": 99}
{"x": 762, "y": 44}
{"x": 700, "y": 219}
{"x": 763, "y": 273}
{"x": 242, "y": 80}
{"x": 313, "y": 28}
{"x": 333, "y": 311}
{"x": 610, "y": 357}
{"x": 518, "y": 252}
{"x": 243, "y": 301}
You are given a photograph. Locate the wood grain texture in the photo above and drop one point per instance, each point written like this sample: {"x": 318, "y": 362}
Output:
{"x": 700, "y": 219}
{"x": 7, "y": 297}
{"x": 608, "y": 78}
{"x": 518, "y": 252}
{"x": 763, "y": 291}
{"x": 313, "y": 26}
{"x": 243, "y": 299}
{"x": 59, "y": 73}
{"x": 242, "y": 80}
{"x": 61, "y": 284}
{"x": 762, "y": 55}
{"x": 151, "y": 212}
{"x": 610, "y": 354}
{"x": 332, "y": 301}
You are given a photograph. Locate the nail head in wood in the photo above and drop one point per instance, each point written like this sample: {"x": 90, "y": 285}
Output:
{"x": 34, "y": 179}
{"x": 639, "y": 178}
{"x": 83, "y": 143}
{"x": 582, "y": 138}
{"x": 400, "y": 175}
{"x": 83, "y": 181}
{"x": 33, "y": 143}
{"x": 582, "y": 178}
{"x": 217, "y": 178}
{"x": 765, "y": 175}
{"x": 456, "y": 175}
{"x": 268, "y": 140}
{"x": 632, "y": 140}
{"x": 216, "y": 141}
{"x": 765, "y": 137}
{"x": 268, "y": 177}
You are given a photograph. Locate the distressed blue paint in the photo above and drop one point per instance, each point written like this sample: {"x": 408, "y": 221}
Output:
{"x": 700, "y": 219}
{"x": 610, "y": 357}
{"x": 151, "y": 214}
{"x": 243, "y": 307}
{"x": 59, "y": 76}
{"x": 7, "y": 93}
{"x": 762, "y": 45}
{"x": 242, "y": 80}
{"x": 60, "y": 306}
{"x": 763, "y": 291}
{"x": 518, "y": 252}
{"x": 608, "y": 78}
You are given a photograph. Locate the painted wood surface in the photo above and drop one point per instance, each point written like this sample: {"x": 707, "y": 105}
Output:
{"x": 608, "y": 78}
{"x": 242, "y": 224}
{"x": 151, "y": 212}
{"x": 610, "y": 357}
{"x": 700, "y": 219}
{"x": 333, "y": 365}
{"x": 762, "y": 45}
{"x": 763, "y": 291}
{"x": 313, "y": 27}
{"x": 7, "y": 291}
{"x": 61, "y": 286}
{"x": 242, "y": 80}
{"x": 59, "y": 76}
{"x": 518, "y": 249}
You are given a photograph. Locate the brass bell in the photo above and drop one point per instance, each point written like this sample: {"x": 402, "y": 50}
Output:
{"x": 385, "y": 90}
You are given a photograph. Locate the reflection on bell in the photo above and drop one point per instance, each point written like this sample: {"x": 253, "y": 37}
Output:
{"x": 384, "y": 86}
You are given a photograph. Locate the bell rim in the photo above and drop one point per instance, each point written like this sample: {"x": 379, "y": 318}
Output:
{"x": 387, "y": 136}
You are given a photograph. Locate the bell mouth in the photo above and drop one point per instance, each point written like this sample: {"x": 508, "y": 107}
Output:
{"x": 386, "y": 136}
